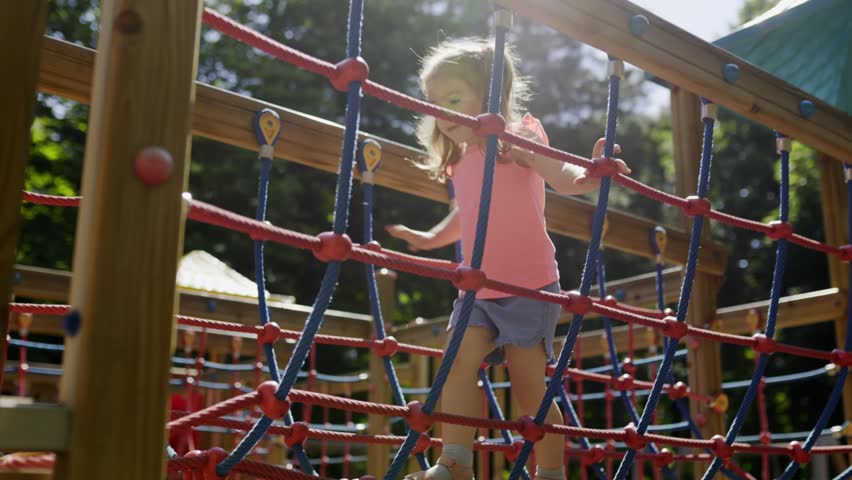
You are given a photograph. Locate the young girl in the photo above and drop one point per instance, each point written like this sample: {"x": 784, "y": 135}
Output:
{"x": 456, "y": 75}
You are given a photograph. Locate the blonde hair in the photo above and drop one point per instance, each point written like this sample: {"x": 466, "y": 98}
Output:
{"x": 470, "y": 59}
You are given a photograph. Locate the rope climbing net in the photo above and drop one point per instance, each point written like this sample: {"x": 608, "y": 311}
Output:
{"x": 275, "y": 397}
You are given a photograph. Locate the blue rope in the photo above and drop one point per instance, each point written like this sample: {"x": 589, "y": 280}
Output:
{"x": 476, "y": 260}
{"x": 574, "y": 421}
{"x": 585, "y": 280}
{"x": 839, "y": 383}
{"x": 613, "y": 355}
{"x": 332, "y": 272}
{"x": 683, "y": 303}
{"x": 373, "y": 290}
{"x": 771, "y": 316}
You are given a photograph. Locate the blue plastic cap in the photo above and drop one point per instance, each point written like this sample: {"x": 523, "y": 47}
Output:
{"x": 71, "y": 323}
{"x": 807, "y": 108}
{"x": 731, "y": 72}
{"x": 639, "y": 25}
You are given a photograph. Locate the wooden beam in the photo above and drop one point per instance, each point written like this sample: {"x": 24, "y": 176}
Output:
{"x": 640, "y": 290}
{"x": 685, "y": 60}
{"x": 53, "y": 285}
{"x": 834, "y": 215}
{"x": 128, "y": 239}
{"x": 33, "y": 427}
{"x": 227, "y": 117}
{"x": 21, "y": 33}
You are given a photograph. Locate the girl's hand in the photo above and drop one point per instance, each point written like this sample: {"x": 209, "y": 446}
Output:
{"x": 597, "y": 152}
{"x": 416, "y": 239}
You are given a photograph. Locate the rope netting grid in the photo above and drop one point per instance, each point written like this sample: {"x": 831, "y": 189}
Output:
{"x": 344, "y": 184}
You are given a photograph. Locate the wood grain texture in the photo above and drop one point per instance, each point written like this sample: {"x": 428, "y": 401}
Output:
{"x": 684, "y": 60}
{"x": 128, "y": 240}
{"x": 21, "y": 31}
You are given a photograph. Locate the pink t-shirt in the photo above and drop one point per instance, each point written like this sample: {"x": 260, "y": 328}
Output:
{"x": 517, "y": 247}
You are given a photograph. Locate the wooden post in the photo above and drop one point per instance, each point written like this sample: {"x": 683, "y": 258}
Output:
{"x": 378, "y": 456}
{"x": 21, "y": 32}
{"x": 704, "y": 362}
{"x": 834, "y": 215}
{"x": 129, "y": 237}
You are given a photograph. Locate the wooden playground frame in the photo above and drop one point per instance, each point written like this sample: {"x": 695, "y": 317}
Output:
{"x": 137, "y": 317}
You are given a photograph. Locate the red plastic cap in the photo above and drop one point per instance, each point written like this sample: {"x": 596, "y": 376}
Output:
{"x": 845, "y": 253}
{"x": 270, "y": 333}
{"x": 215, "y": 455}
{"x": 624, "y": 382}
{"x": 578, "y": 304}
{"x": 595, "y": 454}
{"x": 763, "y": 344}
{"x": 610, "y": 301}
{"x": 531, "y": 431}
{"x": 333, "y": 247}
{"x": 674, "y": 329}
{"x": 696, "y": 206}
{"x": 298, "y": 434}
{"x": 270, "y": 405}
{"x": 721, "y": 447}
{"x": 779, "y": 229}
{"x": 469, "y": 279}
{"x": 633, "y": 439}
{"x": 677, "y": 391}
{"x": 841, "y": 358}
{"x": 374, "y": 246}
{"x": 349, "y": 70}
{"x": 489, "y": 124}
{"x": 765, "y": 438}
{"x": 602, "y": 167}
{"x": 388, "y": 347}
{"x": 153, "y": 166}
{"x": 798, "y": 453}
{"x": 423, "y": 443}
{"x": 417, "y": 418}
{"x": 663, "y": 459}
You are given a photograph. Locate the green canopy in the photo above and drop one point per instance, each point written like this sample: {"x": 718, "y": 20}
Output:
{"x": 807, "y": 43}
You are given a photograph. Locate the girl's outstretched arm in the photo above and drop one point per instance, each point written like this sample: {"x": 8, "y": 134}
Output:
{"x": 444, "y": 233}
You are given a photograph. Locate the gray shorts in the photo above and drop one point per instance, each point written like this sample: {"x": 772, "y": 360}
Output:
{"x": 513, "y": 320}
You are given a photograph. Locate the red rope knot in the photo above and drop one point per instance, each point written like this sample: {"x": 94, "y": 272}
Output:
{"x": 779, "y": 230}
{"x": 489, "y": 124}
{"x": 423, "y": 443}
{"x": 765, "y": 438}
{"x": 333, "y": 247}
{"x": 763, "y": 344}
{"x": 845, "y": 254}
{"x": 610, "y": 301}
{"x": 674, "y": 329}
{"x": 577, "y": 303}
{"x": 841, "y": 358}
{"x": 700, "y": 419}
{"x": 270, "y": 333}
{"x": 594, "y": 455}
{"x": 531, "y": 431}
{"x": 270, "y": 405}
{"x": 512, "y": 454}
{"x": 628, "y": 366}
{"x": 721, "y": 448}
{"x": 623, "y": 383}
{"x": 677, "y": 391}
{"x": 663, "y": 459}
{"x": 602, "y": 167}
{"x": 373, "y": 246}
{"x": 696, "y": 206}
{"x": 633, "y": 439}
{"x": 298, "y": 434}
{"x": 417, "y": 419}
{"x": 352, "y": 69}
{"x": 192, "y": 474}
{"x": 469, "y": 279}
{"x": 214, "y": 456}
{"x": 798, "y": 453}
{"x": 389, "y": 346}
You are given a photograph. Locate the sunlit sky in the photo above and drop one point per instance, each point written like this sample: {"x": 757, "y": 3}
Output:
{"x": 706, "y": 19}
